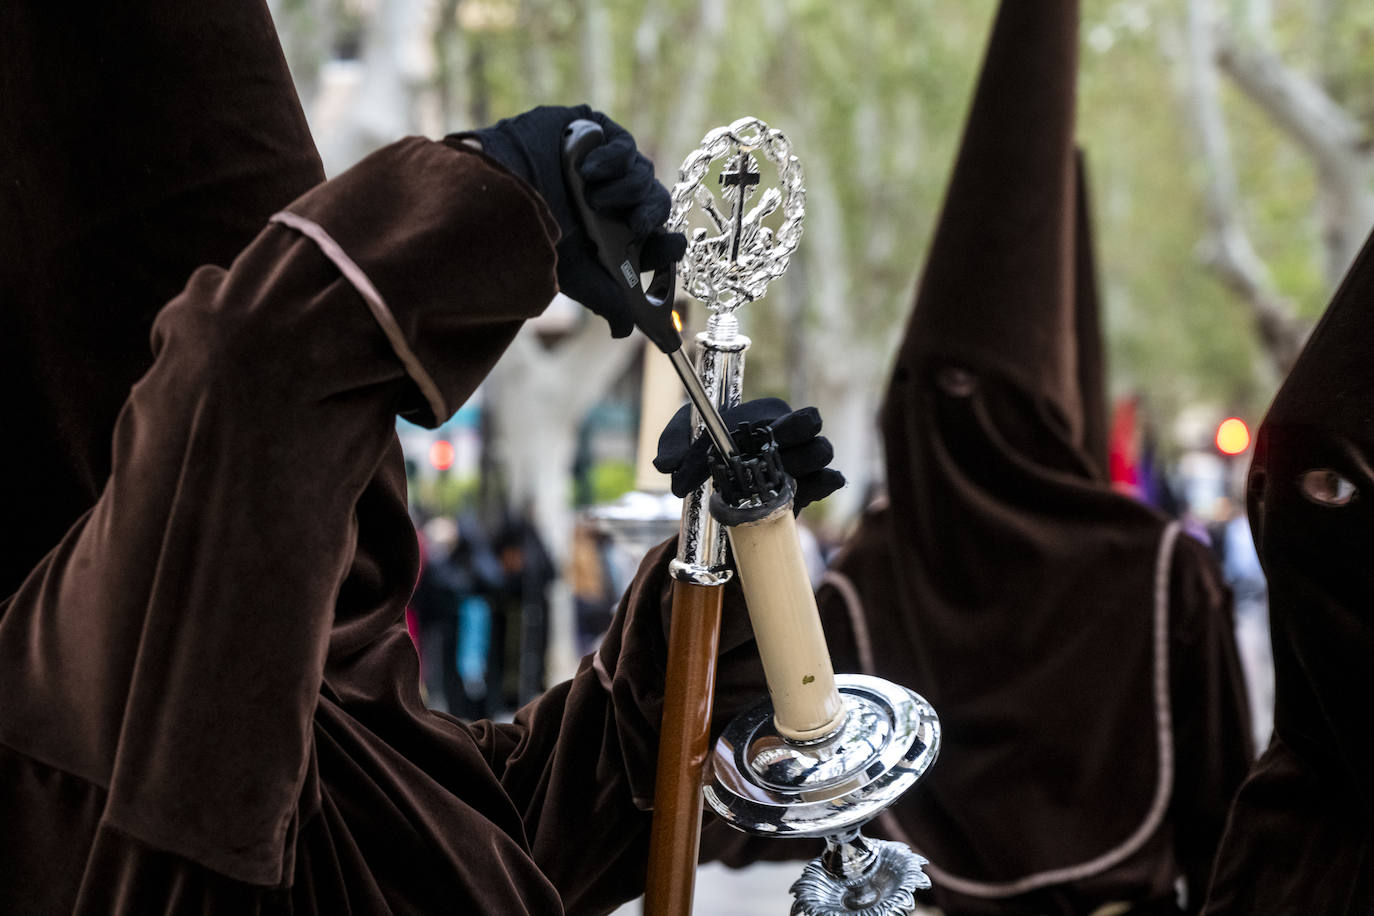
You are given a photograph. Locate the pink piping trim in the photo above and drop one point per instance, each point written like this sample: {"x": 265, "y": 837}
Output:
{"x": 375, "y": 304}
{"x": 853, "y": 604}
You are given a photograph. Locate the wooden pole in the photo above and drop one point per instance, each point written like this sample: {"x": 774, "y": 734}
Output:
{"x": 689, "y": 689}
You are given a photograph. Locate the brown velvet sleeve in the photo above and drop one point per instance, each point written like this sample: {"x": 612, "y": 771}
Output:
{"x": 1213, "y": 747}
{"x": 170, "y": 649}
{"x": 583, "y": 754}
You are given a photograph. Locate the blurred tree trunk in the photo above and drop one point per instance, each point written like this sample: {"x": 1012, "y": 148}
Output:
{"x": 541, "y": 407}
{"x": 451, "y": 62}
{"x": 847, "y": 265}
{"x": 397, "y": 67}
{"x": 1228, "y": 250}
{"x": 1337, "y": 143}
{"x": 684, "y": 118}
{"x": 843, "y": 376}
{"x": 1335, "y": 140}
{"x": 536, "y": 64}
{"x": 539, "y": 397}
{"x": 598, "y": 83}
{"x": 307, "y": 31}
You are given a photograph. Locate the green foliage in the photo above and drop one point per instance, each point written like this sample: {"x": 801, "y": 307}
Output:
{"x": 444, "y": 493}
{"x": 1337, "y": 37}
{"x": 611, "y": 480}
{"x": 1174, "y": 334}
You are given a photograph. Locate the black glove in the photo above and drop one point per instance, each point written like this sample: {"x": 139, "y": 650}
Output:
{"x": 804, "y": 453}
{"x": 620, "y": 181}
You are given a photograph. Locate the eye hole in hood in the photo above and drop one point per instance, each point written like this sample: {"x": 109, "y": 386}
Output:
{"x": 1326, "y": 487}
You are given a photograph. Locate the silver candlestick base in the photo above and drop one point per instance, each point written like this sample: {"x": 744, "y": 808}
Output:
{"x": 767, "y": 785}
{"x": 856, "y": 876}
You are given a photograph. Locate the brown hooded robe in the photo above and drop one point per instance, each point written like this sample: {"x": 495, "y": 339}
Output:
{"x": 208, "y": 699}
{"x": 1300, "y": 838}
{"x": 1078, "y": 651}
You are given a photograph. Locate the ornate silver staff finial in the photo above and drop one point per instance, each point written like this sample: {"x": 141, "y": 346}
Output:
{"x": 732, "y": 259}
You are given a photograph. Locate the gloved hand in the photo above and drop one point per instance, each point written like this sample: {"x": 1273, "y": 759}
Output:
{"x": 804, "y": 452}
{"x": 620, "y": 181}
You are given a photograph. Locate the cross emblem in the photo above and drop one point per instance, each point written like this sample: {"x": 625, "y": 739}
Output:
{"x": 738, "y": 183}
{"x": 744, "y": 173}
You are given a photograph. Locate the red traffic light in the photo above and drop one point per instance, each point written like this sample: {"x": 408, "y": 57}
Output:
{"x": 1233, "y": 436}
{"x": 441, "y": 454}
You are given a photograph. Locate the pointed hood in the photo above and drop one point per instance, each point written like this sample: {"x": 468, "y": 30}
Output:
{"x": 1311, "y": 503}
{"x": 148, "y": 139}
{"x": 1330, "y": 386}
{"x": 1018, "y": 592}
{"x": 998, "y": 290}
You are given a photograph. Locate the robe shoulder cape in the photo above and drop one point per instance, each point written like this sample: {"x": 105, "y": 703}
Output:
{"x": 210, "y": 703}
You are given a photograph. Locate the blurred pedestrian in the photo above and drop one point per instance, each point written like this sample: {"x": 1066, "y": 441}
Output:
{"x": 456, "y": 570}
{"x": 520, "y": 615}
{"x": 590, "y": 578}
{"x": 1240, "y": 565}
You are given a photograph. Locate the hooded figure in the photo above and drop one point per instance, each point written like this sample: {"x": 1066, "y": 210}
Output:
{"x": 140, "y": 146}
{"x": 1301, "y": 834}
{"x": 1077, "y": 649}
{"x": 210, "y": 700}
{"x": 1079, "y": 652}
